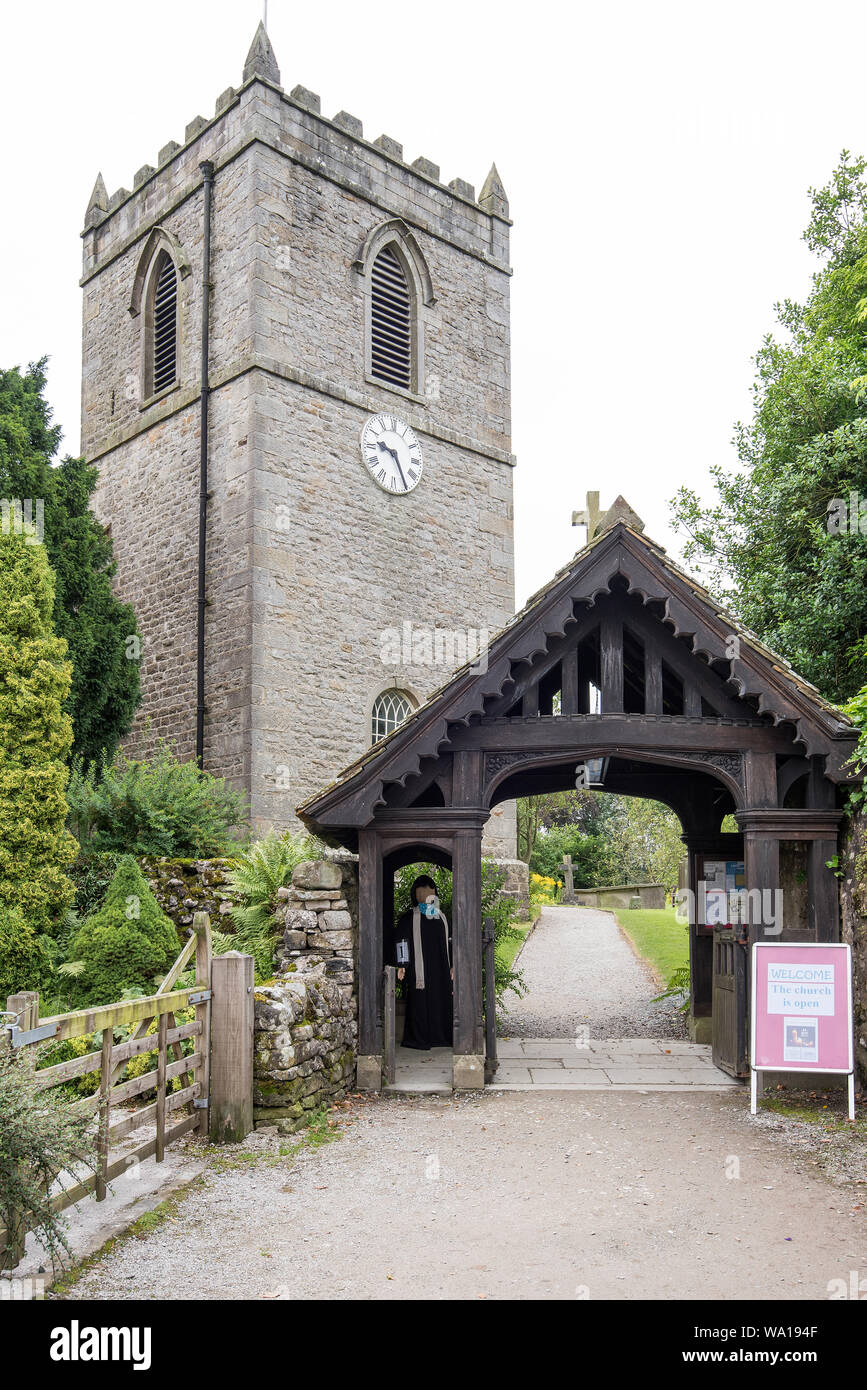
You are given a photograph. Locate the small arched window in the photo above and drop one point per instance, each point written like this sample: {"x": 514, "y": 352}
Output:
{"x": 162, "y": 326}
{"x": 391, "y": 328}
{"x": 390, "y": 709}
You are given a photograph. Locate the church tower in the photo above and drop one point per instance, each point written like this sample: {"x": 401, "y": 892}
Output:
{"x": 332, "y": 419}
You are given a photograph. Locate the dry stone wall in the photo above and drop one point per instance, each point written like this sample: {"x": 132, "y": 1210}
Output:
{"x": 183, "y": 887}
{"x": 305, "y": 1018}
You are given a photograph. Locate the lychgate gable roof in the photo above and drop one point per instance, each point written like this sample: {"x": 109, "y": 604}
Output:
{"x": 738, "y": 677}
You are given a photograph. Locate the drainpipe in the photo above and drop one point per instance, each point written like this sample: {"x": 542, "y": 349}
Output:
{"x": 207, "y": 170}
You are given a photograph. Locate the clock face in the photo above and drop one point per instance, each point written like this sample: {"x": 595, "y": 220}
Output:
{"x": 391, "y": 453}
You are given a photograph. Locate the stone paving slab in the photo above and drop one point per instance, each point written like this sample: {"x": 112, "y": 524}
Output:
{"x": 540, "y": 1077}
{"x": 556, "y": 1064}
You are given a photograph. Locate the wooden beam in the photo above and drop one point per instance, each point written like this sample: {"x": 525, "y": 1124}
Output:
{"x": 611, "y": 640}
{"x": 569, "y": 683}
{"x": 652, "y": 678}
{"x": 467, "y": 777}
{"x": 628, "y": 731}
{"x": 691, "y": 699}
{"x": 543, "y": 662}
{"x": 661, "y": 641}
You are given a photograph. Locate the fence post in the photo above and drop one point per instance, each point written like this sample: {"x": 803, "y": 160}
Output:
{"x": 26, "y": 1007}
{"x": 231, "y": 1108}
{"x": 202, "y": 928}
{"x": 104, "y": 1114}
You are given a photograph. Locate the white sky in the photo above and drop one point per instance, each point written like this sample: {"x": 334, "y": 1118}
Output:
{"x": 657, "y": 158}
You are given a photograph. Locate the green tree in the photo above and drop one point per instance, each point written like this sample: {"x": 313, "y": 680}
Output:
{"x": 35, "y": 737}
{"x": 536, "y": 814}
{"x": 590, "y": 861}
{"x": 105, "y": 689}
{"x": 23, "y": 957}
{"x": 127, "y": 944}
{"x": 765, "y": 548}
{"x": 644, "y": 841}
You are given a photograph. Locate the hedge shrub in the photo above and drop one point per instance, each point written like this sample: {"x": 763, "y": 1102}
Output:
{"x": 23, "y": 959}
{"x": 35, "y": 739}
{"x": 125, "y": 945}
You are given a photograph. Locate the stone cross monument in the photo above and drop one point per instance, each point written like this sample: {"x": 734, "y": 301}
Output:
{"x": 568, "y": 895}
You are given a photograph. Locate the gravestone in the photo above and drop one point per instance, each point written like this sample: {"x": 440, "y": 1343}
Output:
{"x": 569, "y": 885}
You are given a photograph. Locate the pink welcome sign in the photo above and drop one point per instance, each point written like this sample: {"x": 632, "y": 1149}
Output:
{"x": 801, "y": 1007}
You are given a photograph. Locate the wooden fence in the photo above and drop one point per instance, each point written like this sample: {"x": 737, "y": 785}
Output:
{"x": 110, "y": 1060}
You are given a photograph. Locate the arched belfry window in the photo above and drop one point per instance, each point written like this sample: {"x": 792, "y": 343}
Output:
{"x": 158, "y": 301}
{"x": 390, "y": 709}
{"x": 161, "y": 353}
{"x": 398, "y": 290}
{"x": 390, "y": 320}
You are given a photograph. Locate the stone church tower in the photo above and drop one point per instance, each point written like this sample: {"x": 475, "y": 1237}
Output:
{"x": 333, "y": 418}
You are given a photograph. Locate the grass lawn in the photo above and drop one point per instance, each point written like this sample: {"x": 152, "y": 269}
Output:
{"x": 658, "y": 937}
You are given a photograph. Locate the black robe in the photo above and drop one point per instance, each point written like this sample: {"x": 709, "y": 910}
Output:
{"x": 428, "y": 1020}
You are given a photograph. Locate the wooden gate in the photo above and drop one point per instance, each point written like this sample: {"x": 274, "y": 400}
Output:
{"x": 730, "y": 1002}
{"x": 110, "y": 1060}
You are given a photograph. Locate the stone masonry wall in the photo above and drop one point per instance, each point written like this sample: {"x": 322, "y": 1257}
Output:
{"x": 305, "y": 1018}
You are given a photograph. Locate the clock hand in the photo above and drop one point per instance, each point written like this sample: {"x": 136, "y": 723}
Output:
{"x": 396, "y": 457}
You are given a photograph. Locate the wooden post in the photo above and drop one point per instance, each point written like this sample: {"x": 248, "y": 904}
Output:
{"x": 370, "y": 929}
{"x": 105, "y": 1081}
{"x": 652, "y": 679}
{"x": 469, "y": 1045}
{"x": 231, "y": 1108}
{"x": 611, "y": 638}
{"x": 691, "y": 700}
{"x": 202, "y": 928}
{"x": 162, "y": 1030}
{"x": 823, "y": 891}
{"x": 569, "y": 686}
{"x": 389, "y": 1023}
{"x": 489, "y": 940}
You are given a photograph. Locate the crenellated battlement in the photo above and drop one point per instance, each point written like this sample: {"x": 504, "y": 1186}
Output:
{"x": 261, "y": 66}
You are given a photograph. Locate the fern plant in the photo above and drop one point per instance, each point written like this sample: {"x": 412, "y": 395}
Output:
{"x": 257, "y": 875}
{"x": 677, "y": 988}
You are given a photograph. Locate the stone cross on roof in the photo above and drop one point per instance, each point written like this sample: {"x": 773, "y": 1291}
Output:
{"x": 597, "y": 521}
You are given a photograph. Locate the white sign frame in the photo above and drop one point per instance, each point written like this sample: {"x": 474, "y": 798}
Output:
{"x": 793, "y": 1066}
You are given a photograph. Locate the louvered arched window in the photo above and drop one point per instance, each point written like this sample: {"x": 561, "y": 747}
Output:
{"x": 162, "y": 326}
{"x": 391, "y": 327}
{"x": 390, "y": 709}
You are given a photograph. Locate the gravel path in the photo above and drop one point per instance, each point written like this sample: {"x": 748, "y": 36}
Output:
{"x": 507, "y": 1196}
{"x": 581, "y": 971}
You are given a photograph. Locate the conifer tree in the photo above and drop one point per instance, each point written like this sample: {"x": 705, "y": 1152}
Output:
{"x": 100, "y": 630}
{"x": 35, "y": 739}
{"x": 125, "y": 945}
